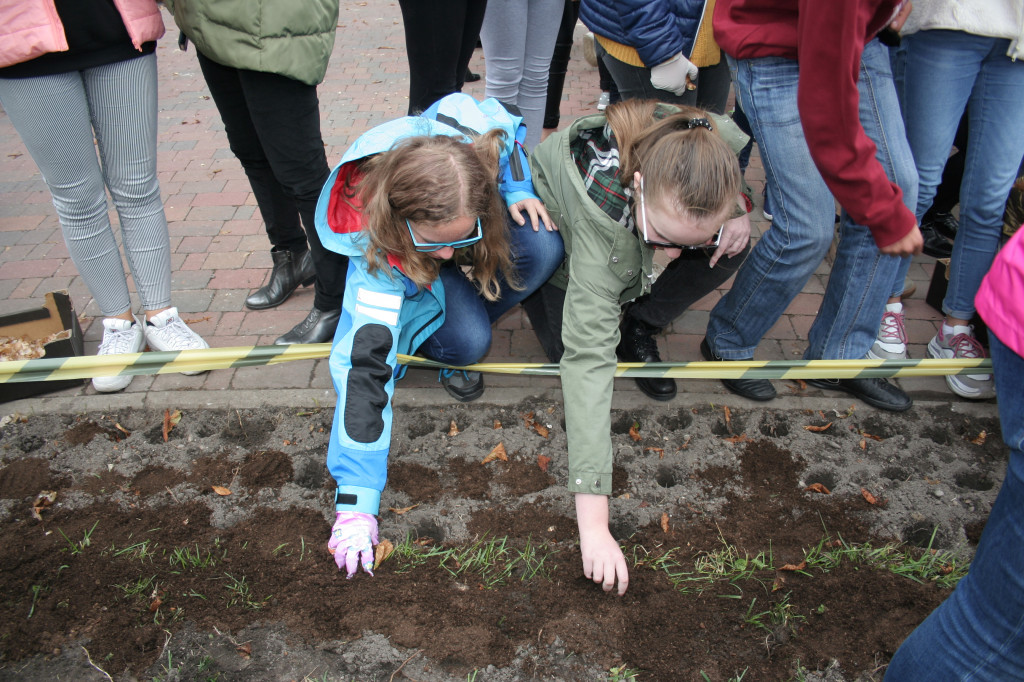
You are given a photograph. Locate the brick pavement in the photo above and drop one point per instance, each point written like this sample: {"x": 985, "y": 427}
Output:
{"x": 220, "y": 252}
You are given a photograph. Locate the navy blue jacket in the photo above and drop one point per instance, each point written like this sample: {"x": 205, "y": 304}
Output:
{"x": 657, "y": 29}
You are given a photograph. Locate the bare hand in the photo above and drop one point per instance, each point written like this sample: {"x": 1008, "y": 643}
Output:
{"x": 735, "y": 237}
{"x": 910, "y": 245}
{"x": 603, "y": 561}
{"x": 901, "y": 16}
{"x": 538, "y": 214}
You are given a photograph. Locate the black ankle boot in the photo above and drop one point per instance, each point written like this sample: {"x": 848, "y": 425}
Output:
{"x": 637, "y": 344}
{"x": 318, "y": 327}
{"x": 290, "y": 270}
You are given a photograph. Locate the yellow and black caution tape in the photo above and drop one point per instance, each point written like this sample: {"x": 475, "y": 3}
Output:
{"x": 132, "y": 364}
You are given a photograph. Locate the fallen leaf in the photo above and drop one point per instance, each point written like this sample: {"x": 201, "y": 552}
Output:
{"x": 686, "y": 443}
{"x": 794, "y": 567}
{"x": 863, "y": 444}
{"x": 780, "y": 581}
{"x": 661, "y": 451}
{"x": 497, "y": 424}
{"x": 634, "y": 432}
{"x": 286, "y": 442}
{"x": 946, "y": 570}
{"x": 728, "y": 415}
{"x": 818, "y": 429}
{"x": 403, "y": 509}
{"x": 664, "y": 522}
{"x": 543, "y": 461}
{"x": 171, "y": 420}
{"x": 497, "y": 453}
{"x": 527, "y": 420}
{"x": 155, "y": 604}
{"x": 818, "y": 488}
{"x": 868, "y": 435}
{"x": 540, "y": 429}
{"x": 244, "y": 650}
{"x": 868, "y": 496}
{"x": 742, "y": 438}
{"x": 453, "y": 430}
{"x": 123, "y": 430}
{"x": 802, "y": 384}
{"x": 221, "y": 490}
{"x": 980, "y": 440}
{"x": 43, "y": 500}
{"x": 382, "y": 552}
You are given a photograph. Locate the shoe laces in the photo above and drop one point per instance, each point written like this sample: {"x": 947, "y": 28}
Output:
{"x": 176, "y": 334}
{"x": 118, "y": 341}
{"x": 966, "y": 346}
{"x": 892, "y": 329}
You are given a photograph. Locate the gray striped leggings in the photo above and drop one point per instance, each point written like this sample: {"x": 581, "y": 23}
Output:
{"x": 57, "y": 117}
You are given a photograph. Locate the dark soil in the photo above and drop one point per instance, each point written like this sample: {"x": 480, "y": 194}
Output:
{"x": 144, "y": 570}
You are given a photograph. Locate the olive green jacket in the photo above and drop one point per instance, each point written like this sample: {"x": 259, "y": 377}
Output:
{"x": 292, "y": 38}
{"x": 605, "y": 266}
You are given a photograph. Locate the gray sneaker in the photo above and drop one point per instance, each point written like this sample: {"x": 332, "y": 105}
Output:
{"x": 960, "y": 344}
{"x": 891, "y": 342}
{"x": 462, "y": 385}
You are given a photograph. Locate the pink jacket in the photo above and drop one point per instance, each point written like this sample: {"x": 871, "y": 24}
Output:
{"x": 1000, "y": 299}
{"x": 31, "y": 29}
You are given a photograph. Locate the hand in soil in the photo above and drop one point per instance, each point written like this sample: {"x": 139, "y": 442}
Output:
{"x": 352, "y": 540}
{"x": 603, "y": 561}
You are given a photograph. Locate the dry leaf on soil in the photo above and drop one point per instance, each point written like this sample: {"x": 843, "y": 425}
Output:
{"x": 980, "y": 440}
{"x": 497, "y": 453}
{"x": 794, "y": 567}
{"x": 403, "y": 510}
{"x": 742, "y": 438}
{"x": 453, "y": 430}
{"x": 728, "y": 415}
{"x": 871, "y": 499}
{"x": 171, "y": 420}
{"x": 818, "y": 429}
{"x": 543, "y": 461}
{"x": 221, "y": 490}
{"x": 664, "y": 522}
{"x": 497, "y": 424}
{"x": 43, "y": 500}
{"x": 818, "y": 488}
{"x": 540, "y": 429}
{"x": 382, "y": 552}
{"x": 634, "y": 432}
{"x": 244, "y": 650}
{"x": 527, "y": 420}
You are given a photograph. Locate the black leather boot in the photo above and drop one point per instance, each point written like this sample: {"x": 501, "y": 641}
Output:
{"x": 290, "y": 270}
{"x": 318, "y": 327}
{"x": 637, "y": 344}
{"x": 751, "y": 389}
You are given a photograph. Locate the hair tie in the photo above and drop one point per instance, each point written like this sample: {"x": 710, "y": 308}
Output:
{"x": 699, "y": 123}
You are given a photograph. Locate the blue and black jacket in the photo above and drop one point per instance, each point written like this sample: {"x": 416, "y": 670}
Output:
{"x": 385, "y": 313}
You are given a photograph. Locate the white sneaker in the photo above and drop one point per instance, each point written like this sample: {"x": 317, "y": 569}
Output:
{"x": 959, "y": 343}
{"x": 167, "y": 331}
{"x": 603, "y": 101}
{"x": 891, "y": 342}
{"x": 119, "y": 337}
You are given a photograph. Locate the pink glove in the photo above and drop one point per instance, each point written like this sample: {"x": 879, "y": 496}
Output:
{"x": 352, "y": 540}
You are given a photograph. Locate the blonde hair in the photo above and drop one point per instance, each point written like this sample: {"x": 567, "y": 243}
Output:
{"x": 435, "y": 179}
{"x": 682, "y": 161}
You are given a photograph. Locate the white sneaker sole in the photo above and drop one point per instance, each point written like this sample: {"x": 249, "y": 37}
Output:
{"x": 953, "y": 381}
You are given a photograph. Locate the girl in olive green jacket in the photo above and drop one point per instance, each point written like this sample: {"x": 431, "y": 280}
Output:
{"x": 646, "y": 176}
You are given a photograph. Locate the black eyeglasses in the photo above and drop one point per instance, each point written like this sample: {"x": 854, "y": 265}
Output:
{"x": 427, "y": 247}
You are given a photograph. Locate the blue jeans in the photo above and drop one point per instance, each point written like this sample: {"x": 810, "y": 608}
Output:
{"x": 787, "y": 255}
{"x": 945, "y": 72}
{"x": 978, "y": 632}
{"x": 465, "y": 335}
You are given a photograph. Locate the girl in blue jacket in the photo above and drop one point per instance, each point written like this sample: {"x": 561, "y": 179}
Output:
{"x": 407, "y": 196}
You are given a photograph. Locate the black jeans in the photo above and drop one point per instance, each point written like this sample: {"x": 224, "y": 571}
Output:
{"x": 273, "y": 127}
{"x": 560, "y": 63}
{"x": 685, "y": 281}
{"x": 634, "y": 82}
{"x": 440, "y": 36}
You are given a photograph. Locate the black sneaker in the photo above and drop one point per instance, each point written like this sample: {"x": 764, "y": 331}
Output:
{"x": 751, "y": 389}
{"x": 462, "y": 385}
{"x": 876, "y": 392}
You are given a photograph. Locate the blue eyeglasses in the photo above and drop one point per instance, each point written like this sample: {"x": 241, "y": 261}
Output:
{"x": 427, "y": 247}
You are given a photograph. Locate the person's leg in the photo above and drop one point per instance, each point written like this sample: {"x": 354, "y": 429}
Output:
{"x": 472, "y": 12}
{"x": 785, "y": 257}
{"x": 280, "y": 215}
{"x": 605, "y": 80}
{"x": 634, "y": 82}
{"x": 123, "y": 103}
{"x": 560, "y": 63}
{"x": 713, "y": 84}
{"x": 544, "y": 310}
{"x": 536, "y": 256}
{"x": 978, "y": 632}
{"x": 994, "y": 150}
{"x": 543, "y": 19}
{"x": 51, "y": 114}
{"x": 862, "y": 277}
{"x": 504, "y": 38}
{"x": 286, "y": 116}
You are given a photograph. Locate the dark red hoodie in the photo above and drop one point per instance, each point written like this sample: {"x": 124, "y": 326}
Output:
{"x": 826, "y": 38}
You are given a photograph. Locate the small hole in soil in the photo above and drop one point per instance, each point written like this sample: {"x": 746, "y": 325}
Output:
{"x": 827, "y": 478}
{"x": 974, "y": 480}
{"x": 896, "y": 473}
{"x": 774, "y": 427}
{"x": 665, "y": 478}
{"x": 924, "y": 534}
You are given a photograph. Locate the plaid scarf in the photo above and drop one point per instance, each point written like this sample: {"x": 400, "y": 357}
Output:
{"x": 597, "y": 158}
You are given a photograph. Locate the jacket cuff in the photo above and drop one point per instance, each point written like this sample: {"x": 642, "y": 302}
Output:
{"x": 515, "y": 196}
{"x": 590, "y": 482}
{"x": 358, "y": 499}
